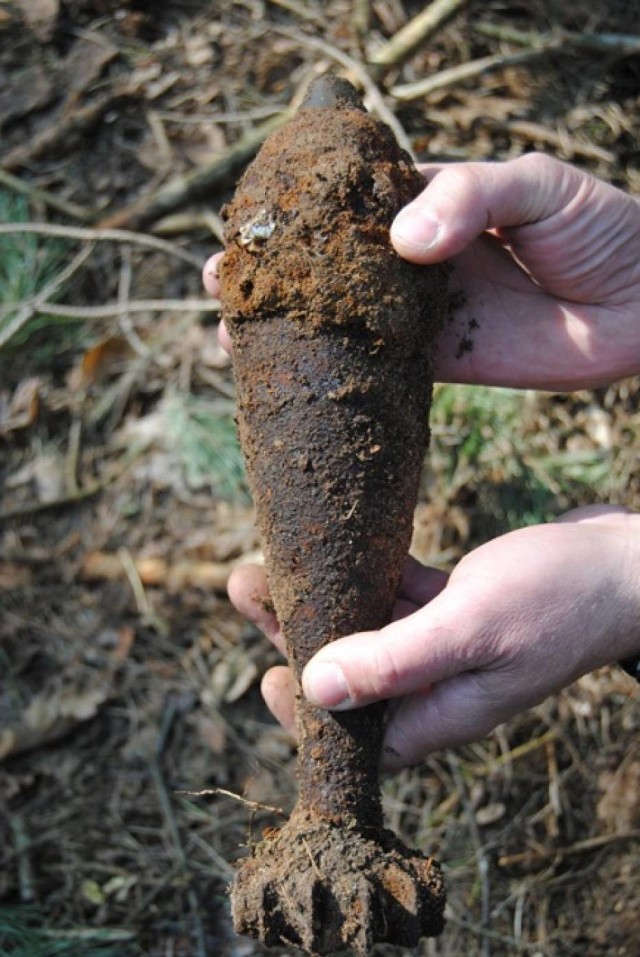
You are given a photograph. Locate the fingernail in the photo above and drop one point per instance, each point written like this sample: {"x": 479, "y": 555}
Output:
{"x": 324, "y": 685}
{"x": 413, "y": 226}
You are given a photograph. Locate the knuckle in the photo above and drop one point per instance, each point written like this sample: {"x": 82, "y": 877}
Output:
{"x": 383, "y": 673}
{"x": 537, "y": 164}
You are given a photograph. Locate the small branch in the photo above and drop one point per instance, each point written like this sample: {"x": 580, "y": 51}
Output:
{"x": 103, "y": 235}
{"x": 407, "y": 40}
{"x": 197, "y": 184}
{"x": 616, "y": 44}
{"x": 109, "y": 309}
{"x": 361, "y": 17}
{"x": 37, "y": 195}
{"x": 143, "y": 605}
{"x": 295, "y": 7}
{"x": 560, "y": 141}
{"x": 100, "y": 935}
{"x": 252, "y": 805}
{"x": 621, "y": 44}
{"x": 471, "y": 70}
{"x": 522, "y": 750}
{"x": 157, "y": 572}
{"x": 22, "y": 511}
{"x": 580, "y": 847}
{"x": 22, "y": 843}
{"x": 73, "y": 454}
{"x": 68, "y": 126}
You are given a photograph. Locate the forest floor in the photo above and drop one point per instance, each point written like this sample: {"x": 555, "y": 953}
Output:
{"x": 130, "y": 713}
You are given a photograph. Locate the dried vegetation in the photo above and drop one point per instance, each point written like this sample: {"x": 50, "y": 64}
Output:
{"x": 127, "y": 683}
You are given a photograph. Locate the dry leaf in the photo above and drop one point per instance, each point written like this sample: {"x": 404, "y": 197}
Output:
{"x": 490, "y": 813}
{"x": 157, "y": 572}
{"x": 198, "y": 51}
{"x": 98, "y": 362}
{"x": 49, "y": 717}
{"x": 14, "y": 576}
{"x": 231, "y": 677}
{"x": 46, "y": 471}
{"x": 92, "y": 892}
{"x": 21, "y": 410}
{"x": 119, "y": 886}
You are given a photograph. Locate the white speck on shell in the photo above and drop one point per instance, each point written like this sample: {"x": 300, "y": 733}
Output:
{"x": 257, "y": 231}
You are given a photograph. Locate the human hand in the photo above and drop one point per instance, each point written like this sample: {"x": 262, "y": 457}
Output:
{"x": 546, "y": 264}
{"x": 519, "y": 618}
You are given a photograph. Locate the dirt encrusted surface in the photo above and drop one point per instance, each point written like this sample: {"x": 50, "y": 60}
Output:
{"x": 334, "y": 338}
{"x": 130, "y": 711}
{"x": 358, "y": 892}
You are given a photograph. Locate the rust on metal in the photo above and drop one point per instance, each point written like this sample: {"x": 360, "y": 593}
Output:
{"x": 333, "y": 337}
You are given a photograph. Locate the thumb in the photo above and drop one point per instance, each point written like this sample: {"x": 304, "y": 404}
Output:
{"x": 406, "y": 656}
{"x": 465, "y": 199}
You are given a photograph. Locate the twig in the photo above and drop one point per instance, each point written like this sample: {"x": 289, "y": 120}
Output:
{"x": 108, "y": 310}
{"x": 471, "y": 70}
{"x": 361, "y": 17}
{"x": 620, "y": 44}
{"x": 518, "y": 752}
{"x": 554, "y": 789}
{"x": 294, "y": 6}
{"x": 64, "y": 129}
{"x": 126, "y": 325}
{"x": 103, "y": 235}
{"x": 615, "y": 44}
{"x": 198, "y": 183}
{"x": 124, "y": 289}
{"x": 224, "y": 869}
{"x": 157, "y": 572}
{"x": 361, "y": 78}
{"x": 102, "y": 935}
{"x": 143, "y": 605}
{"x": 580, "y": 847}
{"x": 33, "y": 508}
{"x": 25, "y": 867}
{"x": 73, "y": 453}
{"x": 560, "y": 141}
{"x": 417, "y": 31}
{"x": 38, "y": 195}
{"x": 190, "y": 221}
{"x": 229, "y": 116}
{"x": 252, "y": 805}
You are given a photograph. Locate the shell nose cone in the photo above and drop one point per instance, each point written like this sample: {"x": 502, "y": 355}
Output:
{"x": 332, "y": 92}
